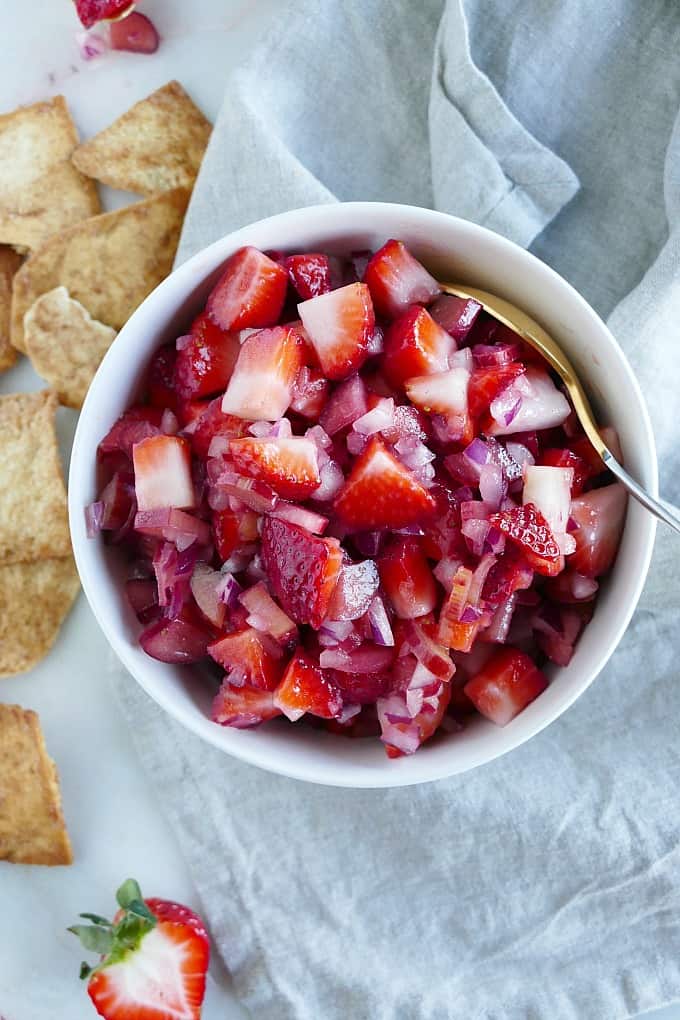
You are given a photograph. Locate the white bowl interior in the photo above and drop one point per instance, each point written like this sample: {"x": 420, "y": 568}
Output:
{"x": 454, "y": 249}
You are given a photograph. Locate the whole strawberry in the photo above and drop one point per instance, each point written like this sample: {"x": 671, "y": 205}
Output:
{"x": 154, "y": 959}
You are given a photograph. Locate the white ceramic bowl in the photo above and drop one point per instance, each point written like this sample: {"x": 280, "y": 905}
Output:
{"x": 454, "y": 249}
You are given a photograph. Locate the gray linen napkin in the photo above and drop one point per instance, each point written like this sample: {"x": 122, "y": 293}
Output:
{"x": 545, "y": 885}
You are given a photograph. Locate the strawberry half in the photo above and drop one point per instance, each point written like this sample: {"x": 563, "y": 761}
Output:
{"x": 309, "y": 274}
{"x": 340, "y": 325}
{"x": 163, "y": 473}
{"x": 302, "y": 569}
{"x": 527, "y": 528}
{"x": 508, "y": 682}
{"x": 381, "y": 493}
{"x": 248, "y": 658}
{"x": 396, "y": 280}
{"x": 305, "y": 687}
{"x": 205, "y": 362}
{"x": 407, "y": 579}
{"x": 153, "y": 959}
{"x": 92, "y": 11}
{"x": 600, "y": 517}
{"x": 261, "y": 385}
{"x": 250, "y": 293}
{"x": 415, "y": 345}
{"x": 289, "y": 465}
{"x": 242, "y": 707}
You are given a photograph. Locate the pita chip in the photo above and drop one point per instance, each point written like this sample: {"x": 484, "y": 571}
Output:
{"x": 35, "y": 599}
{"x": 9, "y": 264}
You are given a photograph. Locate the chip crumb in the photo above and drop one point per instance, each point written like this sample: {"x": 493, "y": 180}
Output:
{"x": 65, "y": 344}
{"x": 10, "y": 260}
{"x": 33, "y": 513}
{"x": 156, "y": 145}
{"x": 32, "y": 826}
{"x": 109, "y": 263}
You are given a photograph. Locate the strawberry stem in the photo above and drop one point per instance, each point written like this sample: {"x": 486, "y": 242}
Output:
{"x": 114, "y": 940}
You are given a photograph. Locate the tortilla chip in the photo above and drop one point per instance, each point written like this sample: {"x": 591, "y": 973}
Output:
{"x": 65, "y": 344}
{"x": 32, "y": 827}
{"x": 158, "y": 144}
{"x": 35, "y": 599}
{"x": 109, "y": 263}
{"x": 61, "y": 197}
{"x": 33, "y": 517}
{"x": 9, "y": 264}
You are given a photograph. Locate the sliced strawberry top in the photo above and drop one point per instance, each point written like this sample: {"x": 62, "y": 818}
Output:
{"x": 250, "y": 292}
{"x": 289, "y": 465}
{"x": 415, "y": 345}
{"x": 303, "y": 569}
{"x": 396, "y": 280}
{"x": 381, "y": 493}
{"x": 527, "y": 528}
{"x": 339, "y": 325}
{"x": 310, "y": 274}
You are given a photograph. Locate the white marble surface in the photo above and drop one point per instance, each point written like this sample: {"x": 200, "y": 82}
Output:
{"x": 116, "y": 826}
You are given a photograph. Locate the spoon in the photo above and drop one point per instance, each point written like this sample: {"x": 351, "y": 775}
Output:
{"x": 530, "y": 331}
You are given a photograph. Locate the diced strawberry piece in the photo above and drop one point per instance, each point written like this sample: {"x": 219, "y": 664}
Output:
{"x": 142, "y": 594}
{"x": 570, "y": 587}
{"x": 289, "y": 465}
{"x": 310, "y": 393}
{"x": 510, "y": 573}
{"x": 533, "y": 402}
{"x": 421, "y": 727}
{"x": 583, "y": 448}
{"x": 600, "y": 516}
{"x": 183, "y": 640}
{"x": 305, "y": 687}
{"x": 415, "y": 345}
{"x": 225, "y": 532}
{"x": 261, "y": 386}
{"x": 396, "y": 280}
{"x": 361, "y": 688}
{"x": 189, "y": 411}
{"x": 347, "y": 402}
{"x": 506, "y": 685}
{"x": 163, "y": 473}
{"x": 381, "y": 493}
{"x": 243, "y": 707}
{"x": 527, "y": 528}
{"x": 135, "y": 34}
{"x": 302, "y": 569}
{"x": 444, "y": 393}
{"x": 487, "y": 383}
{"x": 339, "y": 325}
{"x": 92, "y": 11}
{"x": 309, "y": 274}
{"x": 407, "y": 579}
{"x": 250, "y": 293}
{"x": 132, "y": 427}
{"x": 212, "y": 422}
{"x": 205, "y": 363}
{"x": 563, "y": 458}
{"x": 357, "y": 584}
{"x": 161, "y": 378}
{"x": 460, "y": 636}
{"x": 248, "y": 659}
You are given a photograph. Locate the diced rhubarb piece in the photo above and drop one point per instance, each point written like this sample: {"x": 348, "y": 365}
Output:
{"x": 381, "y": 493}
{"x": 415, "y": 345}
{"x": 161, "y": 378}
{"x": 310, "y": 274}
{"x": 339, "y": 325}
{"x": 249, "y": 294}
{"x": 290, "y": 466}
{"x": 457, "y": 315}
{"x": 454, "y": 606}
{"x": 599, "y": 516}
{"x": 347, "y": 402}
{"x": 266, "y": 616}
{"x": 248, "y": 659}
{"x": 305, "y": 687}
{"x": 205, "y": 362}
{"x": 533, "y": 402}
{"x": 243, "y": 706}
{"x": 488, "y": 383}
{"x": 163, "y": 473}
{"x": 181, "y": 640}
{"x": 357, "y": 584}
{"x": 527, "y": 528}
{"x": 261, "y": 386}
{"x": 407, "y": 579}
{"x": 505, "y": 685}
{"x": 310, "y": 393}
{"x": 210, "y": 423}
{"x": 564, "y": 458}
{"x": 132, "y": 427}
{"x": 444, "y": 393}
{"x": 225, "y": 532}
{"x": 302, "y": 568}
{"x": 396, "y": 280}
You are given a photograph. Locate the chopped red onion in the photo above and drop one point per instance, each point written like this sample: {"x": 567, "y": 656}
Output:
{"x": 393, "y": 709}
{"x": 94, "y": 515}
{"x": 266, "y": 616}
{"x": 378, "y": 418}
{"x": 306, "y": 519}
{"x": 254, "y": 493}
{"x": 219, "y": 446}
{"x": 174, "y": 525}
{"x": 475, "y": 509}
{"x": 492, "y": 485}
{"x": 461, "y": 359}
{"x": 175, "y": 641}
{"x": 381, "y": 630}
{"x": 321, "y": 439}
{"x": 505, "y": 407}
{"x": 413, "y": 453}
{"x": 230, "y": 589}
{"x": 479, "y": 577}
{"x": 470, "y": 614}
{"x": 347, "y": 403}
{"x": 356, "y": 443}
{"x": 366, "y": 659}
{"x": 334, "y": 632}
{"x": 169, "y": 423}
{"x": 404, "y": 738}
{"x": 455, "y": 314}
{"x": 348, "y": 712}
{"x": 520, "y": 453}
{"x": 207, "y": 586}
{"x": 495, "y": 355}
{"x": 376, "y": 342}
{"x": 240, "y": 558}
{"x": 423, "y": 679}
{"x": 477, "y": 452}
{"x": 95, "y": 42}
{"x": 445, "y": 571}
{"x": 414, "y": 701}
{"x": 332, "y": 480}
{"x": 173, "y": 572}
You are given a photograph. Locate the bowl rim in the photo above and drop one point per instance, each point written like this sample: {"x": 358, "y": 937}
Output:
{"x": 194, "y": 271}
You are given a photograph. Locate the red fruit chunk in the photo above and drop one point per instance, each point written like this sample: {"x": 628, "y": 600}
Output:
{"x": 487, "y": 383}
{"x": 205, "y": 363}
{"x": 302, "y": 569}
{"x": 225, "y": 532}
{"x": 510, "y": 573}
{"x": 340, "y": 325}
{"x": 527, "y": 528}
{"x": 210, "y": 422}
{"x": 179, "y": 641}
{"x": 261, "y": 386}
{"x": 289, "y": 465}
{"x": 135, "y": 33}
{"x": 92, "y": 11}
{"x": 357, "y": 584}
{"x": 132, "y": 427}
{"x": 310, "y": 393}
{"x": 250, "y": 293}
{"x": 407, "y": 579}
{"x": 348, "y": 402}
{"x": 248, "y": 659}
{"x": 163, "y": 473}
{"x": 600, "y": 516}
{"x": 507, "y": 684}
{"x": 142, "y": 594}
{"x": 361, "y": 688}
{"x": 457, "y": 315}
{"x": 453, "y": 608}
{"x": 445, "y": 393}
{"x": 242, "y": 707}
{"x": 415, "y": 345}
{"x": 161, "y": 378}
{"x": 460, "y": 637}
{"x": 396, "y": 280}
{"x": 306, "y": 687}
{"x": 381, "y": 493}
{"x": 309, "y": 274}
{"x": 177, "y": 913}
{"x": 420, "y": 638}
{"x": 564, "y": 458}
{"x": 570, "y": 587}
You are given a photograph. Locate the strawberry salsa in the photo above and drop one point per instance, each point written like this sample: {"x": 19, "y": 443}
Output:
{"x": 366, "y": 503}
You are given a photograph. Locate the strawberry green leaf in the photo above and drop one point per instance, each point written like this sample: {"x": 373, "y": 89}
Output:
{"x": 94, "y": 937}
{"x": 128, "y": 893}
{"x": 97, "y": 919}
{"x": 85, "y": 970}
